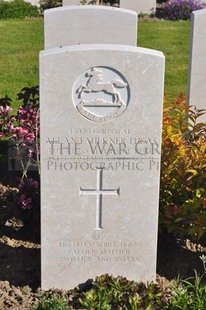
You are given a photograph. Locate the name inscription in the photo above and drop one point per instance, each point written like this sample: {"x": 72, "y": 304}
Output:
{"x": 110, "y": 153}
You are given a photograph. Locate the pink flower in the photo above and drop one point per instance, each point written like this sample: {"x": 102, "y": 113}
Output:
{"x": 22, "y": 110}
{"x": 30, "y": 137}
{"x": 5, "y": 110}
{"x": 25, "y": 202}
{"x": 21, "y": 184}
{"x": 28, "y": 183}
{"x": 30, "y": 153}
{"x": 34, "y": 183}
{"x": 22, "y": 134}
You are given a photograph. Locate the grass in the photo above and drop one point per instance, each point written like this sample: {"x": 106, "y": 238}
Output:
{"x": 172, "y": 38}
{"x": 21, "y": 41}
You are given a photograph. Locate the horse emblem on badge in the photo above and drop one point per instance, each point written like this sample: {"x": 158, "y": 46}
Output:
{"x": 101, "y": 94}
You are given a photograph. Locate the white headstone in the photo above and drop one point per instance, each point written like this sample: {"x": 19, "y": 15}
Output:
{"x": 88, "y": 24}
{"x": 197, "y": 69}
{"x": 101, "y": 111}
{"x": 139, "y": 6}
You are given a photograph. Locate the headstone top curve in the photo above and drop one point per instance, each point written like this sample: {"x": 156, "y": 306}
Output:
{"x": 199, "y": 12}
{"x": 109, "y": 47}
{"x": 89, "y": 7}
{"x": 80, "y": 24}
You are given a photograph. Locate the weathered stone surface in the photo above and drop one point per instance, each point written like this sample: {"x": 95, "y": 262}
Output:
{"x": 197, "y": 69}
{"x": 89, "y": 25}
{"x": 101, "y": 111}
{"x": 139, "y": 6}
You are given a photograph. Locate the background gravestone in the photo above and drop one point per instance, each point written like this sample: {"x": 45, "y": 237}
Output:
{"x": 89, "y": 24}
{"x": 197, "y": 69}
{"x": 139, "y": 6}
{"x": 101, "y": 111}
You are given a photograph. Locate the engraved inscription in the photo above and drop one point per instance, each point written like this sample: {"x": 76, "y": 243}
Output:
{"x": 99, "y": 192}
{"x": 101, "y": 94}
{"x": 99, "y": 250}
{"x": 85, "y": 152}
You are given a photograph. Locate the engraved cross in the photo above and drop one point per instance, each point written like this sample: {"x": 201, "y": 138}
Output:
{"x": 99, "y": 192}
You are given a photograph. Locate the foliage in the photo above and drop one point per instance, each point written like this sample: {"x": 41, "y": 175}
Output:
{"x": 203, "y": 259}
{"x": 17, "y": 9}
{"x": 108, "y": 293}
{"x": 183, "y": 171}
{"x": 86, "y": 2}
{"x": 52, "y": 303}
{"x": 181, "y": 9}
{"x": 49, "y": 4}
{"x": 189, "y": 295}
{"x": 22, "y": 130}
{"x": 95, "y": 2}
{"x": 183, "y": 168}
{"x": 6, "y": 119}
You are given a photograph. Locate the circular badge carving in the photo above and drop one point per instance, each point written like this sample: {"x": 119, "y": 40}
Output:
{"x": 101, "y": 94}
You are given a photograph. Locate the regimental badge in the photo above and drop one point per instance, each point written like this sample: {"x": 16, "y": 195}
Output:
{"x": 101, "y": 94}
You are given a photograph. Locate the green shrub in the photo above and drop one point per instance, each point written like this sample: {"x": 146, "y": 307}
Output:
{"x": 17, "y": 9}
{"x": 183, "y": 171}
{"x": 189, "y": 294}
{"x": 52, "y": 302}
{"x": 49, "y": 4}
{"x": 108, "y": 293}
